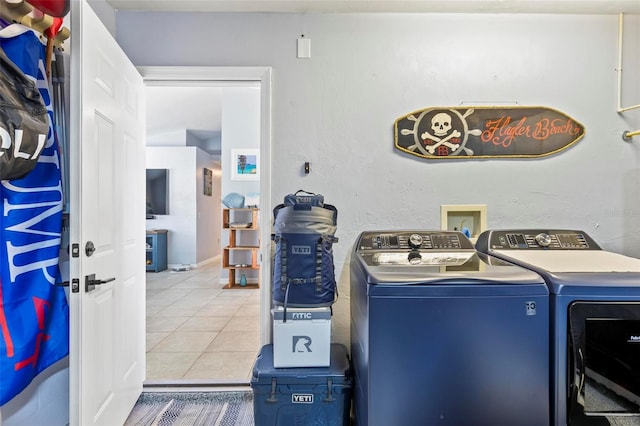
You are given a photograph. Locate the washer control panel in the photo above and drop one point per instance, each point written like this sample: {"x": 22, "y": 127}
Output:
{"x": 390, "y": 241}
{"x": 536, "y": 239}
{"x": 414, "y": 248}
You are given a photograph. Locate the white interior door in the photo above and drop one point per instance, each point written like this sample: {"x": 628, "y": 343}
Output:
{"x": 107, "y": 212}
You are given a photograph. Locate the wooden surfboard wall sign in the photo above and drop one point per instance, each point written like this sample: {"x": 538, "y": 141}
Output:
{"x": 486, "y": 132}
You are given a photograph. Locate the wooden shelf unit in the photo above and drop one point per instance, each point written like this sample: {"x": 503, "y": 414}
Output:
{"x": 228, "y": 215}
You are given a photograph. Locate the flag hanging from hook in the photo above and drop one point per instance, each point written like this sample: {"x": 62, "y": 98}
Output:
{"x": 34, "y": 315}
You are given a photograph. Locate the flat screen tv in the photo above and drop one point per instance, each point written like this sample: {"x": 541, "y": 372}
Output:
{"x": 157, "y": 192}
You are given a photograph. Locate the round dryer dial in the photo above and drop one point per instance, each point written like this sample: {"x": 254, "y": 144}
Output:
{"x": 415, "y": 241}
{"x": 543, "y": 239}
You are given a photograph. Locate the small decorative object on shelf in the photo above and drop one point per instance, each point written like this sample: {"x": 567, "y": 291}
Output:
{"x": 244, "y": 242}
{"x": 233, "y": 200}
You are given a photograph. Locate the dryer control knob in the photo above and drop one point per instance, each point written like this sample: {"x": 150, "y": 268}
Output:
{"x": 415, "y": 258}
{"x": 415, "y": 241}
{"x": 543, "y": 240}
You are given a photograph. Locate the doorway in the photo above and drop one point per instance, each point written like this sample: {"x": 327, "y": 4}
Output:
{"x": 226, "y": 314}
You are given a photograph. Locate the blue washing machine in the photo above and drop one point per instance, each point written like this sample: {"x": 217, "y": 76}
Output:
{"x": 442, "y": 335}
{"x": 595, "y": 321}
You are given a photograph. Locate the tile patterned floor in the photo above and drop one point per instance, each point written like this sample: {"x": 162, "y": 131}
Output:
{"x": 196, "y": 330}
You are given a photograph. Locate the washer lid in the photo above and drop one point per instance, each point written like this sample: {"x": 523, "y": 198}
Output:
{"x": 425, "y": 258}
{"x": 478, "y": 270}
{"x": 572, "y": 261}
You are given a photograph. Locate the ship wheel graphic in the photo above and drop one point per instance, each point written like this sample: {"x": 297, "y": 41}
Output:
{"x": 440, "y": 132}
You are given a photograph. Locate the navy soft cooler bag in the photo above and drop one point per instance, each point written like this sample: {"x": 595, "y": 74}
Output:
{"x": 303, "y": 271}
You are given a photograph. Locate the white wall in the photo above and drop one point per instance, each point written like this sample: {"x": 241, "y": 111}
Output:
{"x": 168, "y": 139}
{"x": 337, "y": 110}
{"x": 240, "y": 130}
{"x": 209, "y": 216}
{"x": 192, "y": 238}
{"x": 44, "y": 402}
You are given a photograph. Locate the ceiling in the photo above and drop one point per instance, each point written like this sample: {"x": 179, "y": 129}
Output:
{"x": 197, "y": 110}
{"x": 170, "y": 108}
{"x": 409, "y": 6}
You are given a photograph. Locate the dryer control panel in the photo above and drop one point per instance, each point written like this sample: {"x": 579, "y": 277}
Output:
{"x": 535, "y": 239}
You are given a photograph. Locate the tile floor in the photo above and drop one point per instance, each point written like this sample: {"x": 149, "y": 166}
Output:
{"x": 198, "y": 331}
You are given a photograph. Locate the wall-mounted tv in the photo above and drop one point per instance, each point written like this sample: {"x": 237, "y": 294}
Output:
{"x": 157, "y": 192}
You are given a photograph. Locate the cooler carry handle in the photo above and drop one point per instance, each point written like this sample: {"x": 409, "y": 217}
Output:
{"x": 272, "y": 398}
{"x": 329, "y": 397}
{"x": 304, "y": 200}
{"x": 302, "y": 206}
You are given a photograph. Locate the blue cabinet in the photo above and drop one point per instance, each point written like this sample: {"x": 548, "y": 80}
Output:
{"x": 156, "y": 250}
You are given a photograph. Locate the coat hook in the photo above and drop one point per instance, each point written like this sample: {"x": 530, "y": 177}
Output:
{"x": 627, "y": 135}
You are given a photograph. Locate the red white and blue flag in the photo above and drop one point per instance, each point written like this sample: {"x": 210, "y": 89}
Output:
{"x": 34, "y": 315}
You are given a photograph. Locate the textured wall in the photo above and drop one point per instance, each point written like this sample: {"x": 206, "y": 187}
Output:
{"x": 337, "y": 110}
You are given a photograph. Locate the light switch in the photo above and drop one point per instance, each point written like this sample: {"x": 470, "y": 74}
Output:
{"x": 304, "y": 48}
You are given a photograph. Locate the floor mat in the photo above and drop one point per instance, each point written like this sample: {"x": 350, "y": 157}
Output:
{"x": 192, "y": 409}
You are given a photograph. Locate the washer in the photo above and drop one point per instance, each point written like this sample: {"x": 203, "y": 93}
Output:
{"x": 595, "y": 321}
{"x": 442, "y": 335}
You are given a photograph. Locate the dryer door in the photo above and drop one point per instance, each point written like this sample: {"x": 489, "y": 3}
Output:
{"x": 604, "y": 357}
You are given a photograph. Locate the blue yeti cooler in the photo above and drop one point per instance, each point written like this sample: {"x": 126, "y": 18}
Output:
{"x": 302, "y": 396}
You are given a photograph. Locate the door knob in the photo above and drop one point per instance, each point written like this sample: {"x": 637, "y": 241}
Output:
{"x": 90, "y": 282}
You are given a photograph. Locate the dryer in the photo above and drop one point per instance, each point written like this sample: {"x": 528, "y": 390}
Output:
{"x": 442, "y": 335}
{"x": 595, "y": 321}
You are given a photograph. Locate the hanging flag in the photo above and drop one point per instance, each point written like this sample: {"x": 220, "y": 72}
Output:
{"x": 34, "y": 316}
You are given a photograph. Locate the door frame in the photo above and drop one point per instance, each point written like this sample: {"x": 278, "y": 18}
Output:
{"x": 174, "y": 75}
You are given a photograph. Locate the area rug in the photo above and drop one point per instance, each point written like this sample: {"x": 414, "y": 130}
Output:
{"x": 193, "y": 408}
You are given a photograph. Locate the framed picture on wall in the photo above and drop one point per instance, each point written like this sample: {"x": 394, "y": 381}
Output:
{"x": 245, "y": 164}
{"x": 208, "y": 181}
